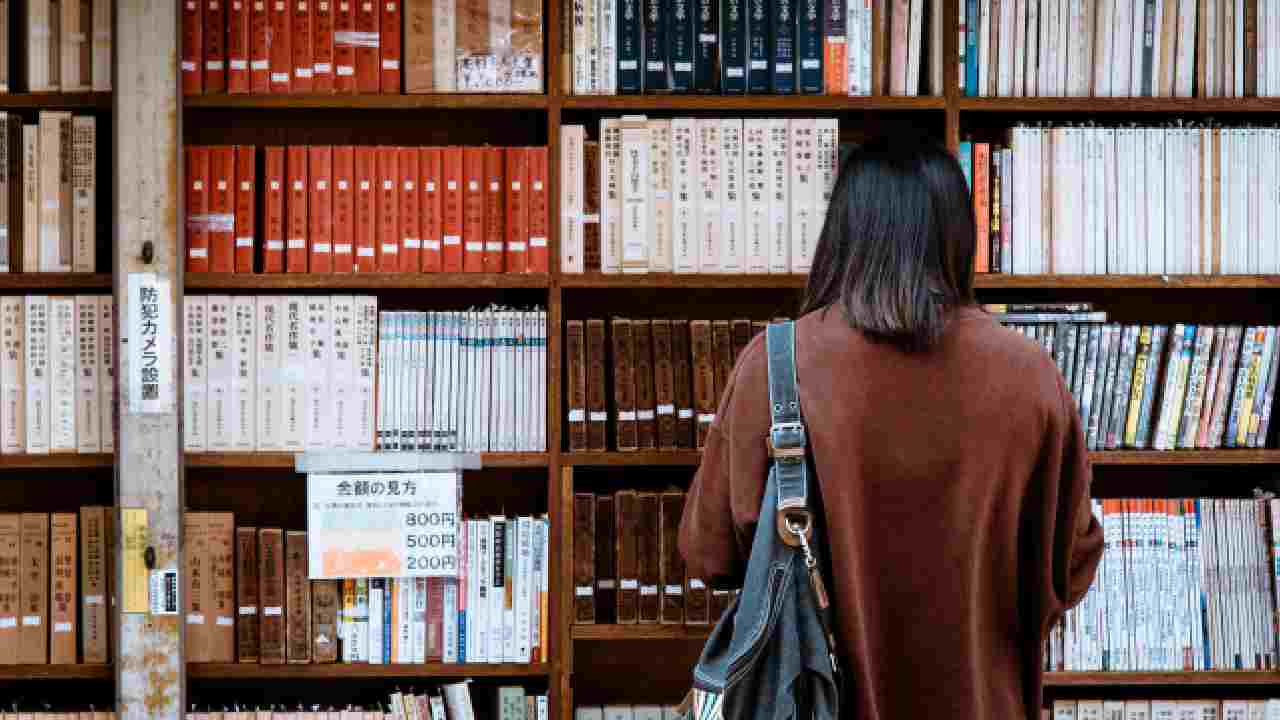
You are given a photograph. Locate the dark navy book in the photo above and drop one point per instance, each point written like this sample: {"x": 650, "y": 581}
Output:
{"x": 706, "y": 62}
{"x": 657, "y": 69}
{"x": 809, "y": 47}
{"x": 782, "y": 40}
{"x": 630, "y": 36}
{"x": 758, "y": 22}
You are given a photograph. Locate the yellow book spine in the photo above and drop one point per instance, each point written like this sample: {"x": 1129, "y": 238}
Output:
{"x": 1135, "y": 392}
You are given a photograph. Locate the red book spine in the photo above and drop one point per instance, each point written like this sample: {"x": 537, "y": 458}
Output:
{"x": 322, "y": 47}
{"x": 344, "y": 49}
{"x": 367, "y": 56}
{"x": 517, "y": 210}
{"x": 303, "y": 61}
{"x": 451, "y": 249}
{"x": 215, "y": 47}
{"x": 388, "y": 209}
{"x": 410, "y": 212}
{"x": 539, "y": 211}
{"x": 192, "y": 47}
{"x": 344, "y": 208}
{"x": 981, "y": 205}
{"x": 473, "y": 236}
{"x": 238, "y": 46}
{"x": 429, "y": 209}
{"x": 260, "y": 47}
{"x": 281, "y": 50}
{"x": 494, "y": 210}
{"x": 197, "y": 209}
{"x": 222, "y": 168}
{"x": 389, "y": 42}
{"x": 295, "y": 254}
{"x": 273, "y": 211}
{"x": 246, "y": 180}
{"x": 366, "y": 208}
{"x": 320, "y": 170}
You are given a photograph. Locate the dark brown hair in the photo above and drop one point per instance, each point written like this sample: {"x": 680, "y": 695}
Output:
{"x": 896, "y": 250}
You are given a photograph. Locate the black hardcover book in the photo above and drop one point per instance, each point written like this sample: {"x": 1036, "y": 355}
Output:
{"x": 733, "y": 47}
{"x": 630, "y": 37}
{"x": 758, "y": 17}
{"x": 680, "y": 40}
{"x": 657, "y": 70}
{"x": 706, "y": 63}
{"x": 782, "y": 40}
{"x": 809, "y": 47}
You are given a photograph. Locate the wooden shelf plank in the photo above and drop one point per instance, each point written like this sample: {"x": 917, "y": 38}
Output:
{"x": 55, "y": 672}
{"x": 997, "y": 281}
{"x": 669, "y": 280}
{"x": 1120, "y": 105}
{"x": 1107, "y": 457}
{"x": 363, "y": 281}
{"x": 57, "y": 100}
{"x": 605, "y": 459}
{"x": 68, "y": 460}
{"x": 338, "y": 671}
{"x": 641, "y": 632}
{"x": 55, "y": 281}
{"x": 285, "y": 461}
{"x": 749, "y": 102}
{"x": 439, "y": 101}
{"x": 1154, "y": 679}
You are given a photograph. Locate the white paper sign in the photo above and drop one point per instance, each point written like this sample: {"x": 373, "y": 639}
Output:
{"x": 150, "y": 340}
{"x": 362, "y": 525}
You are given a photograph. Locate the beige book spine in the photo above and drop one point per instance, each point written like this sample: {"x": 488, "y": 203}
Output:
{"x": 94, "y": 620}
{"x": 102, "y": 41}
{"x": 66, "y": 252}
{"x": 220, "y": 614}
{"x": 7, "y": 259}
{"x": 419, "y": 47}
{"x": 30, "y": 181}
{"x": 107, "y": 371}
{"x": 71, "y": 39}
{"x": 37, "y": 43}
{"x": 83, "y": 190}
{"x": 10, "y": 594}
{"x": 88, "y": 384}
{"x": 49, "y": 195}
{"x": 195, "y": 547}
{"x": 53, "y": 45}
{"x": 33, "y": 639}
{"x": 62, "y": 374}
{"x": 62, "y": 589}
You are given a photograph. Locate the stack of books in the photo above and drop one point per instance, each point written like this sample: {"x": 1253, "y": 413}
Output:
{"x": 65, "y": 45}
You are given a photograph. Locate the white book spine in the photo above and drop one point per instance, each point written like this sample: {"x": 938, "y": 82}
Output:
{"x": 13, "y": 435}
{"x": 418, "y": 619}
{"x": 107, "y": 371}
{"x": 540, "y": 372}
{"x": 1009, "y": 48}
{"x": 426, "y": 390}
{"x": 497, "y": 590}
{"x": 1018, "y": 82}
{"x": 1104, "y": 33}
{"x": 1137, "y": 46}
{"x": 659, "y": 200}
{"x": 1121, "y": 47}
{"x": 634, "y": 181}
{"x": 827, "y": 154}
{"x": 758, "y": 179}
{"x": 366, "y": 336}
{"x": 195, "y": 382}
{"x": 778, "y": 160}
{"x": 804, "y": 191}
{"x": 710, "y": 194}
{"x": 685, "y": 187}
{"x": 571, "y": 198}
{"x": 509, "y": 595}
{"x": 403, "y": 588}
{"x": 293, "y": 368}
{"x": 610, "y": 195}
{"x": 733, "y": 247}
{"x": 450, "y": 623}
{"x": 62, "y": 374}
{"x": 524, "y": 590}
{"x": 221, "y": 366}
{"x": 984, "y": 46}
{"x": 1137, "y": 248}
{"x": 478, "y": 610}
{"x": 377, "y": 596}
{"x": 915, "y": 45}
{"x": 444, "y": 45}
{"x": 1154, "y": 196}
{"x": 267, "y": 353}
{"x": 341, "y": 370}
{"x": 244, "y": 385}
{"x": 1184, "y": 63}
{"x": 1062, "y": 38}
{"x": 579, "y": 76}
{"x": 608, "y": 27}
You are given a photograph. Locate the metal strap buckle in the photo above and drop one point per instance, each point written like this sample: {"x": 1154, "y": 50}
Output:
{"x": 787, "y": 442}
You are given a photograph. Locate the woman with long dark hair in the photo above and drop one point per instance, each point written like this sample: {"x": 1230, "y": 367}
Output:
{"x": 950, "y": 461}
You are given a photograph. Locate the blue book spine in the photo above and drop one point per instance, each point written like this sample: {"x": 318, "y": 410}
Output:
{"x": 630, "y": 37}
{"x": 388, "y": 622}
{"x": 758, "y": 50}
{"x": 680, "y": 40}
{"x": 966, "y": 162}
{"x": 706, "y": 64}
{"x": 657, "y": 69}
{"x": 782, "y": 39}
{"x": 809, "y": 46}
{"x": 733, "y": 47}
{"x": 971, "y": 49}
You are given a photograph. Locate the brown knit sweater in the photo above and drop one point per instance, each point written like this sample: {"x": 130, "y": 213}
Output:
{"x": 956, "y": 492}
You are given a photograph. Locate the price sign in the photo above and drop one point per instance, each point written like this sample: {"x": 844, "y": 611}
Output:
{"x": 362, "y": 525}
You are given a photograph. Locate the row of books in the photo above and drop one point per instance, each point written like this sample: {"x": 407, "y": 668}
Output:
{"x": 627, "y": 566}
{"x": 627, "y": 712}
{"x": 696, "y": 195}
{"x": 449, "y": 701}
{"x": 342, "y": 209}
{"x": 57, "y": 374}
{"x": 1184, "y": 585}
{"x": 1137, "y": 200}
{"x": 1163, "y": 387}
{"x": 1116, "y": 48}
{"x": 1162, "y": 710}
{"x": 666, "y": 377}
{"x": 48, "y": 193}
{"x": 837, "y": 47}
{"x": 56, "y": 579}
{"x": 64, "y": 45}
{"x": 468, "y": 381}
{"x": 361, "y": 47}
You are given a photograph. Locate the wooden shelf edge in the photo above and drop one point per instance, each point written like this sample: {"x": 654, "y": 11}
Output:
{"x": 435, "y": 101}
{"x": 1154, "y": 679}
{"x": 1106, "y": 457}
{"x": 55, "y": 672}
{"x": 55, "y": 281}
{"x": 285, "y": 461}
{"x": 669, "y": 280}
{"x": 750, "y": 102}
{"x": 57, "y": 100}
{"x": 641, "y": 632}
{"x": 998, "y": 281}
{"x": 69, "y": 460}
{"x": 338, "y": 671}
{"x": 363, "y": 281}
{"x": 1118, "y": 105}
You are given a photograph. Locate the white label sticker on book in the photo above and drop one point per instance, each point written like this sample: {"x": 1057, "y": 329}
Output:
{"x": 188, "y": 66}
{"x": 515, "y": 185}
{"x": 302, "y": 72}
{"x": 244, "y": 242}
{"x": 225, "y": 622}
{"x": 342, "y": 249}
{"x": 213, "y": 65}
{"x": 279, "y": 77}
{"x": 297, "y": 243}
{"x": 412, "y": 243}
{"x": 810, "y": 64}
{"x": 429, "y": 186}
{"x": 735, "y": 72}
{"x": 93, "y": 600}
{"x": 493, "y": 246}
{"x": 408, "y": 184}
{"x": 259, "y": 64}
{"x": 431, "y": 244}
{"x": 323, "y": 68}
{"x": 648, "y": 590}
{"x": 644, "y": 414}
{"x": 666, "y": 409}
{"x": 198, "y": 252}
{"x": 626, "y": 415}
{"x": 275, "y": 244}
{"x": 31, "y": 621}
{"x": 364, "y": 252}
{"x": 696, "y": 584}
{"x": 577, "y": 415}
{"x": 62, "y": 627}
{"x": 390, "y": 64}
{"x": 248, "y": 610}
{"x": 390, "y": 249}
{"x": 673, "y": 590}
{"x": 322, "y": 184}
{"x": 628, "y": 64}
{"x": 8, "y": 622}
{"x": 706, "y": 417}
{"x": 473, "y": 246}
{"x": 655, "y": 66}
{"x": 271, "y": 611}
{"x": 584, "y": 591}
{"x": 537, "y": 242}
{"x": 345, "y": 71}
{"x": 759, "y": 64}
{"x": 784, "y": 68}
{"x": 515, "y": 246}
{"x": 195, "y": 619}
{"x": 599, "y": 416}
{"x": 683, "y": 67}
{"x": 606, "y": 584}
{"x": 388, "y": 184}
{"x": 707, "y": 37}
{"x": 364, "y": 185}
{"x": 320, "y": 247}
{"x": 628, "y": 584}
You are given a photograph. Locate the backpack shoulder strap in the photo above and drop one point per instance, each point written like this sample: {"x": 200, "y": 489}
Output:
{"x": 787, "y": 438}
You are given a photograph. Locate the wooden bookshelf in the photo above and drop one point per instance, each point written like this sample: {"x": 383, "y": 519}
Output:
{"x": 1160, "y": 679}
{"x": 1105, "y": 457}
{"x": 361, "y": 671}
{"x": 47, "y": 282}
{"x": 10, "y": 673}
{"x": 56, "y": 101}
{"x": 1138, "y": 105}
{"x": 441, "y": 101}
{"x": 286, "y": 461}
{"x": 364, "y": 281}
{"x": 52, "y": 461}
{"x": 641, "y": 632}
{"x": 727, "y": 103}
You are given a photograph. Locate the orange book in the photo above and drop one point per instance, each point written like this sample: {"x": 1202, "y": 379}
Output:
{"x": 451, "y": 212}
{"x": 273, "y": 210}
{"x": 344, "y": 51}
{"x": 835, "y": 66}
{"x": 192, "y": 47}
{"x": 221, "y": 611}
{"x": 981, "y": 205}
{"x": 198, "y": 589}
{"x": 343, "y": 208}
{"x": 368, "y": 69}
{"x": 303, "y": 62}
{"x": 429, "y": 207}
{"x": 517, "y": 210}
{"x": 197, "y": 208}
{"x": 494, "y": 209}
{"x": 63, "y": 595}
{"x": 389, "y": 41}
{"x": 246, "y": 182}
{"x": 281, "y": 50}
{"x": 322, "y": 47}
{"x": 539, "y": 211}
{"x": 388, "y": 209}
{"x": 33, "y": 584}
{"x": 366, "y": 204}
{"x": 222, "y": 173}
{"x": 238, "y": 46}
{"x": 473, "y": 231}
{"x": 320, "y": 206}
{"x": 295, "y": 249}
{"x": 259, "y": 47}
{"x": 410, "y": 212}
{"x": 215, "y": 47}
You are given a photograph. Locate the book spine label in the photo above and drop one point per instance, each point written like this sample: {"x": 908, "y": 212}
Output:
{"x": 246, "y": 182}
{"x": 809, "y": 46}
{"x": 390, "y": 47}
{"x": 320, "y": 209}
{"x": 62, "y": 374}
{"x": 473, "y": 215}
{"x": 451, "y": 212}
{"x": 682, "y": 42}
{"x": 273, "y": 210}
{"x": 246, "y": 610}
{"x": 197, "y": 167}
{"x": 220, "y": 217}
{"x": 539, "y": 211}
{"x": 271, "y": 595}
{"x": 93, "y": 583}
{"x": 63, "y": 591}
{"x": 782, "y": 46}
{"x": 495, "y": 217}
{"x": 322, "y": 46}
{"x": 88, "y": 414}
{"x": 733, "y": 47}
{"x": 706, "y": 63}
{"x": 281, "y": 42}
{"x": 430, "y": 208}
{"x": 630, "y": 74}
{"x": 344, "y": 46}
{"x": 410, "y": 212}
{"x": 388, "y": 233}
{"x": 238, "y": 23}
{"x": 366, "y": 208}
{"x": 367, "y": 40}
{"x": 192, "y": 63}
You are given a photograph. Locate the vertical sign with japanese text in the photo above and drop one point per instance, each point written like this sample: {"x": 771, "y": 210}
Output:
{"x": 362, "y": 525}
{"x": 151, "y": 345}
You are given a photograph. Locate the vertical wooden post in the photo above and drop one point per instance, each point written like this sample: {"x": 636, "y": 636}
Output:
{"x": 150, "y": 672}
